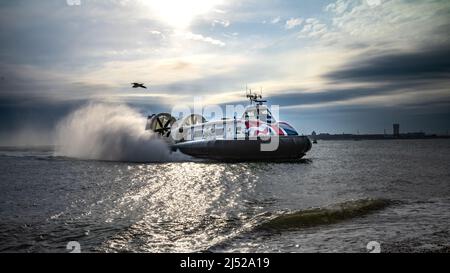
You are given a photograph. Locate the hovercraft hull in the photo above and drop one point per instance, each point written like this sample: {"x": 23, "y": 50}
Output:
{"x": 289, "y": 148}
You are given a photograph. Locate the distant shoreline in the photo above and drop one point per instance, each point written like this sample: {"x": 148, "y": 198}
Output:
{"x": 412, "y": 136}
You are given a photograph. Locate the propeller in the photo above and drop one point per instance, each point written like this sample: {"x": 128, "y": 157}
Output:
{"x": 162, "y": 124}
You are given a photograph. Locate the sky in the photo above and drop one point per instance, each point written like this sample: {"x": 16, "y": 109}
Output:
{"x": 332, "y": 66}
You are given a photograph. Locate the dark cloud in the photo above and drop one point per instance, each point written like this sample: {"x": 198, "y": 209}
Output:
{"x": 425, "y": 70}
{"x": 16, "y": 113}
{"x": 430, "y": 117}
{"x": 430, "y": 63}
{"x": 301, "y": 98}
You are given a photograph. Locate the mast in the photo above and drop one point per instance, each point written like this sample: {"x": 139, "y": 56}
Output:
{"x": 253, "y": 97}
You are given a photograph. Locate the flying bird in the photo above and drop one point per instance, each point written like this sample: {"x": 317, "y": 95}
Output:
{"x": 138, "y": 85}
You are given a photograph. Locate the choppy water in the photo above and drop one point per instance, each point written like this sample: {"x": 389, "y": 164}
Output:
{"x": 343, "y": 195}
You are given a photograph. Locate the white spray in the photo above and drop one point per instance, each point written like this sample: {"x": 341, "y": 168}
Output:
{"x": 109, "y": 132}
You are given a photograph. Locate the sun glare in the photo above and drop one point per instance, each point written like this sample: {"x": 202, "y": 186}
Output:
{"x": 180, "y": 13}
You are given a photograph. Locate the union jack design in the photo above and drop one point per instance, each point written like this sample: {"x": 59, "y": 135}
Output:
{"x": 260, "y": 128}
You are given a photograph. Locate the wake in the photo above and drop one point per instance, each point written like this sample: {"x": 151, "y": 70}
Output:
{"x": 100, "y": 131}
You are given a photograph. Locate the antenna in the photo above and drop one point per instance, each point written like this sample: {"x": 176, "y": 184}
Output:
{"x": 254, "y": 97}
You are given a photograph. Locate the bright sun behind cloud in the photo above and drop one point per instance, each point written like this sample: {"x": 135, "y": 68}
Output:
{"x": 180, "y": 13}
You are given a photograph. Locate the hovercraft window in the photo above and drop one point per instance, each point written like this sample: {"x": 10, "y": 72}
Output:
{"x": 251, "y": 115}
{"x": 264, "y": 115}
{"x": 219, "y": 131}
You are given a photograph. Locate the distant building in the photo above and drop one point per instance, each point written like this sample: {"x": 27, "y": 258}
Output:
{"x": 396, "y": 130}
{"x": 415, "y": 135}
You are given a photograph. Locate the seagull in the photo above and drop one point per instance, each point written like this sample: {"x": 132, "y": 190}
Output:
{"x": 138, "y": 85}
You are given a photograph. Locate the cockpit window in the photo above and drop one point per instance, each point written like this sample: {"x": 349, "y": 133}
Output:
{"x": 263, "y": 115}
{"x": 250, "y": 114}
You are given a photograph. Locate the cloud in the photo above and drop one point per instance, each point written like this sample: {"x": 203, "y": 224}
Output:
{"x": 275, "y": 20}
{"x": 339, "y": 6}
{"x": 301, "y": 98}
{"x": 293, "y": 22}
{"x": 373, "y": 3}
{"x": 427, "y": 64}
{"x": 400, "y": 101}
{"x": 358, "y": 52}
{"x": 155, "y": 32}
{"x": 199, "y": 37}
{"x": 224, "y": 23}
{"x": 387, "y": 24}
{"x": 75, "y": 36}
{"x": 313, "y": 28}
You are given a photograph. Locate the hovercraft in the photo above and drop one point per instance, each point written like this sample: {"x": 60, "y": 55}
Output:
{"x": 256, "y": 136}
